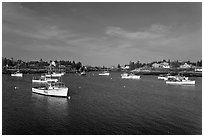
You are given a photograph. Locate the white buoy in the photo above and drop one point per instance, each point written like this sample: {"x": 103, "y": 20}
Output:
{"x": 124, "y": 86}
{"x": 69, "y": 97}
{"x": 111, "y": 78}
{"x": 15, "y": 87}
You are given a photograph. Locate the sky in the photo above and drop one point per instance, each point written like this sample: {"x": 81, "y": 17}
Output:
{"x": 102, "y": 33}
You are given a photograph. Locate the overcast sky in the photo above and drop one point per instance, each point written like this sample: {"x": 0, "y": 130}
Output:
{"x": 102, "y": 33}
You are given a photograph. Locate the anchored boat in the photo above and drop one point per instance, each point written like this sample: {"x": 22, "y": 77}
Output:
{"x": 164, "y": 77}
{"x": 171, "y": 77}
{"x": 129, "y": 76}
{"x": 17, "y": 74}
{"x": 83, "y": 73}
{"x": 105, "y": 73}
{"x": 44, "y": 79}
{"x": 51, "y": 86}
{"x": 180, "y": 81}
{"x": 55, "y": 74}
{"x": 52, "y": 89}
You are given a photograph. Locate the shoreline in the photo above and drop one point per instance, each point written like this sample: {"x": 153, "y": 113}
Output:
{"x": 187, "y": 73}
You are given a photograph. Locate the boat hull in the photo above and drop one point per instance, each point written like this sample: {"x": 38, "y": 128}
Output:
{"x": 17, "y": 75}
{"x": 163, "y": 78}
{"x": 104, "y": 74}
{"x": 130, "y": 77}
{"x": 181, "y": 82}
{"x": 61, "y": 92}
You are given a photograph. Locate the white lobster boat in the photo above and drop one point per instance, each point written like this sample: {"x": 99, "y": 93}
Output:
{"x": 44, "y": 79}
{"x": 57, "y": 89}
{"x": 162, "y": 77}
{"x": 171, "y": 77}
{"x": 17, "y": 74}
{"x": 180, "y": 81}
{"x": 105, "y": 73}
{"x": 130, "y": 76}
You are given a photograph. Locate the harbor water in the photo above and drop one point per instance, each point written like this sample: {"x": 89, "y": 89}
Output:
{"x": 102, "y": 105}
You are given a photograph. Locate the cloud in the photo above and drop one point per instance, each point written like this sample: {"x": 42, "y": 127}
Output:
{"x": 44, "y": 31}
{"x": 48, "y": 32}
{"x": 11, "y": 9}
{"x": 55, "y": 31}
{"x": 154, "y": 38}
{"x": 25, "y": 22}
{"x": 154, "y": 32}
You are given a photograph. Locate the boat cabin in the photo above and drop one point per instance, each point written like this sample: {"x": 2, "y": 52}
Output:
{"x": 56, "y": 84}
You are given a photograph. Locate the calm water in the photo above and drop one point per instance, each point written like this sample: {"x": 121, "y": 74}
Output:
{"x": 102, "y": 105}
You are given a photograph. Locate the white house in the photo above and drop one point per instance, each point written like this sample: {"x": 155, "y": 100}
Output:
{"x": 156, "y": 65}
{"x": 161, "y": 65}
{"x": 125, "y": 67}
{"x": 185, "y": 66}
{"x": 165, "y": 65}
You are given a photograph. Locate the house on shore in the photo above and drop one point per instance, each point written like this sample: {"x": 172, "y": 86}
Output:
{"x": 185, "y": 66}
{"x": 126, "y": 67}
{"x": 161, "y": 65}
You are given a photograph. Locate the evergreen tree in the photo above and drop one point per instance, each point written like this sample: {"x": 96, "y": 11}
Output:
{"x": 78, "y": 65}
{"x": 119, "y": 66}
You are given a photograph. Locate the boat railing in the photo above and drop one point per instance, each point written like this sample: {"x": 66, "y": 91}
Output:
{"x": 42, "y": 86}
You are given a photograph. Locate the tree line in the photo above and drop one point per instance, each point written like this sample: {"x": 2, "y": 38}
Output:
{"x": 72, "y": 65}
{"x": 20, "y": 64}
{"x": 173, "y": 64}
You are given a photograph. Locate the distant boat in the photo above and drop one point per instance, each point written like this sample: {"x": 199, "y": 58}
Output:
{"x": 44, "y": 79}
{"x": 55, "y": 74}
{"x": 166, "y": 77}
{"x": 198, "y": 69}
{"x": 51, "y": 73}
{"x": 17, "y": 74}
{"x": 178, "y": 80}
{"x": 129, "y": 76}
{"x": 163, "y": 77}
{"x": 49, "y": 77}
{"x": 83, "y": 73}
{"x": 105, "y": 73}
{"x": 57, "y": 89}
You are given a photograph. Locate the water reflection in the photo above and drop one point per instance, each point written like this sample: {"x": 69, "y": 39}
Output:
{"x": 54, "y": 106}
{"x": 188, "y": 87}
{"x": 183, "y": 87}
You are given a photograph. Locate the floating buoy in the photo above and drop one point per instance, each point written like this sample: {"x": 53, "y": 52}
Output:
{"x": 69, "y": 97}
{"x": 124, "y": 86}
{"x": 15, "y": 87}
{"x": 79, "y": 87}
{"x": 111, "y": 78}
